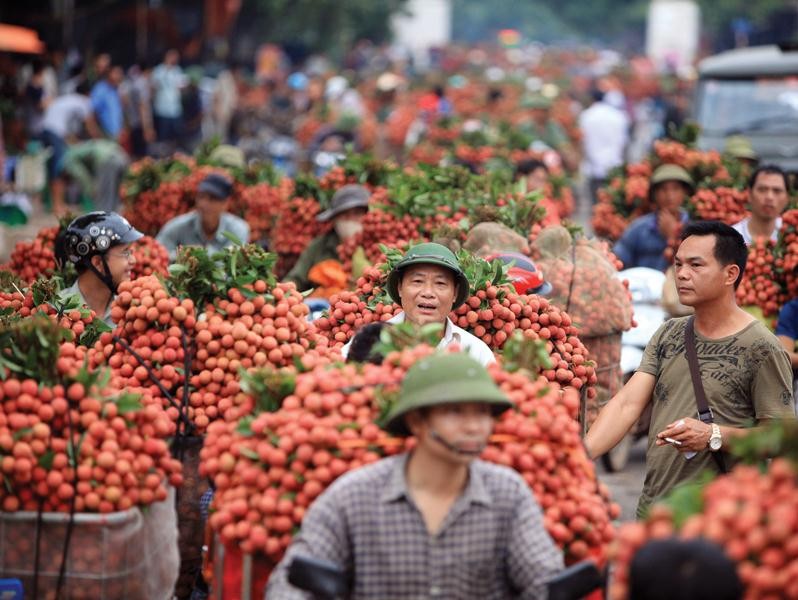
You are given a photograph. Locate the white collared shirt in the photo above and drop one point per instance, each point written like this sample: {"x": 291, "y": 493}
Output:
{"x": 476, "y": 348}
{"x": 742, "y": 227}
{"x": 604, "y": 138}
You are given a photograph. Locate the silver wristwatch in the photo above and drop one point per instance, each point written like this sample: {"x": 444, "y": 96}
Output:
{"x": 715, "y": 440}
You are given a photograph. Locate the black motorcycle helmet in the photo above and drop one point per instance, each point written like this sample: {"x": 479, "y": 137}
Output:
{"x": 93, "y": 234}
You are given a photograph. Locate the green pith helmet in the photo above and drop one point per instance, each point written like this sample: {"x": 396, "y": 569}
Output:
{"x": 739, "y": 147}
{"x": 670, "y": 172}
{"x": 228, "y": 156}
{"x": 429, "y": 254}
{"x": 444, "y": 379}
{"x": 536, "y": 101}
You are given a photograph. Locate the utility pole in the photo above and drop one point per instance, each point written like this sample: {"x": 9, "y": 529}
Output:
{"x": 68, "y": 23}
{"x": 142, "y": 10}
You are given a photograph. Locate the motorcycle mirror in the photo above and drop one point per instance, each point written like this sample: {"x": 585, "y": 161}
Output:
{"x": 576, "y": 581}
{"x": 319, "y": 577}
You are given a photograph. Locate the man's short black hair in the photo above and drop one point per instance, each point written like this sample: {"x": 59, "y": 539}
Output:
{"x": 526, "y": 167}
{"x": 362, "y": 347}
{"x": 730, "y": 246}
{"x": 769, "y": 170}
{"x": 684, "y": 569}
{"x": 83, "y": 88}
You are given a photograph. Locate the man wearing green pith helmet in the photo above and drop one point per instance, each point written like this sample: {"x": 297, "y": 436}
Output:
{"x": 429, "y": 284}
{"x": 435, "y": 522}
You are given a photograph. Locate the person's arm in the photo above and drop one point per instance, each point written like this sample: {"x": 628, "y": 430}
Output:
{"x": 694, "y": 435}
{"x": 92, "y": 127}
{"x": 145, "y": 114}
{"x": 75, "y": 167}
{"x": 532, "y": 557}
{"x": 620, "y": 414}
{"x": 787, "y": 330}
{"x": 323, "y": 536}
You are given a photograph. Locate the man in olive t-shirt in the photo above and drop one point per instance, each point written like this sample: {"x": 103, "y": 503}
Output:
{"x": 745, "y": 373}
{"x": 746, "y": 379}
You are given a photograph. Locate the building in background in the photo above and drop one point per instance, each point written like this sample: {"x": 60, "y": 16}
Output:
{"x": 423, "y": 25}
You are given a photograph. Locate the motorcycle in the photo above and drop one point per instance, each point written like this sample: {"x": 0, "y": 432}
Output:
{"x": 645, "y": 286}
{"x": 327, "y": 581}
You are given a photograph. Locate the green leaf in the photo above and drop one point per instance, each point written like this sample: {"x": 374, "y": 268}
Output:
{"x": 21, "y": 433}
{"x": 233, "y": 238}
{"x": 244, "y": 426}
{"x": 249, "y": 453}
{"x": 177, "y": 269}
{"x": 46, "y": 460}
{"x": 127, "y": 403}
{"x": 686, "y": 499}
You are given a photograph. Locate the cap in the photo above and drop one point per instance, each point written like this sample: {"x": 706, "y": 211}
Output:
{"x": 429, "y": 253}
{"x": 444, "y": 379}
{"x": 229, "y": 156}
{"x": 536, "y": 101}
{"x": 298, "y": 81}
{"x": 740, "y": 147}
{"x": 216, "y": 185}
{"x": 349, "y": 196}
{"x": 387, "y": 82}
{"x": 671, "y": 172}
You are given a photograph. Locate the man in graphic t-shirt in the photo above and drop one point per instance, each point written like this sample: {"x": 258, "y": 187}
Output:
{"x": 745, "y": 372}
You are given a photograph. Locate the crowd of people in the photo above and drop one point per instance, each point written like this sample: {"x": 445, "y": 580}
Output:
{"x": 444, "y": 516}
{"x": 107, "y": 114}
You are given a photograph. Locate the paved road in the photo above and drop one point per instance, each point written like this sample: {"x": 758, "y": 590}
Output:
{"x": 625, "y": 486}
{"x": 9, "y": 236}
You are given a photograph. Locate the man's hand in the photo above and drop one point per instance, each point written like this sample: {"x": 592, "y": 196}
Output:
{"x": 693, "y": 435}
{"x": 668, "y": 223}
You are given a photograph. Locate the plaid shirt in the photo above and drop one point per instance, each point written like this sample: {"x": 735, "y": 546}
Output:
{"x": 492, "y": 544}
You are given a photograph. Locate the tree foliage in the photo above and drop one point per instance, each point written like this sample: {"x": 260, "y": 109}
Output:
{"x": 604, "y": 20}
{"x": 323, "y": 25}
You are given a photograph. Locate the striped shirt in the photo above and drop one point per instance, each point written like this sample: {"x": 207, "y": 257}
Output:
{"x": 492, "y": 544}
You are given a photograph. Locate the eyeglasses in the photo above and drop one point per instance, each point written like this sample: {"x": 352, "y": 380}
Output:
{"x": 126, "y": 254}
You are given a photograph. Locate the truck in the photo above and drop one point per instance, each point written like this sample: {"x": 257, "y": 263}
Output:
{"x": 751, "y": 92}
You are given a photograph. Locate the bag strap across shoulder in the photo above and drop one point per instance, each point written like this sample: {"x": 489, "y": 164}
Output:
{"x": 704, "y": 411}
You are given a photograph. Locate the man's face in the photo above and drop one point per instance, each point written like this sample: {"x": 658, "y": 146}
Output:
{"x": 427, "y": 293}
{"x": 171, "y": 58}
{"x": 102, "y": 64}
{"x": 464, "y": 425}
{"x": 699, "y": 275}
{"x": 536, "y": 180}
{"x": 768, "y": 196}
{"x": 210, "y": 208}
{"x": 669, "y": 195}
{"x": 120, "y": 260}
{"x": 539, "y": 115}
{"x": 349, "y": 222}
{"x": 116, "y": 76}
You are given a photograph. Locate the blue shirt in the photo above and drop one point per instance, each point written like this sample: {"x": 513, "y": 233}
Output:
{"x": 107, "y": 108}
{"x": 186, "y": 230}
{"x": 787, "y": 324}
{"x": 643, "y": 245}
